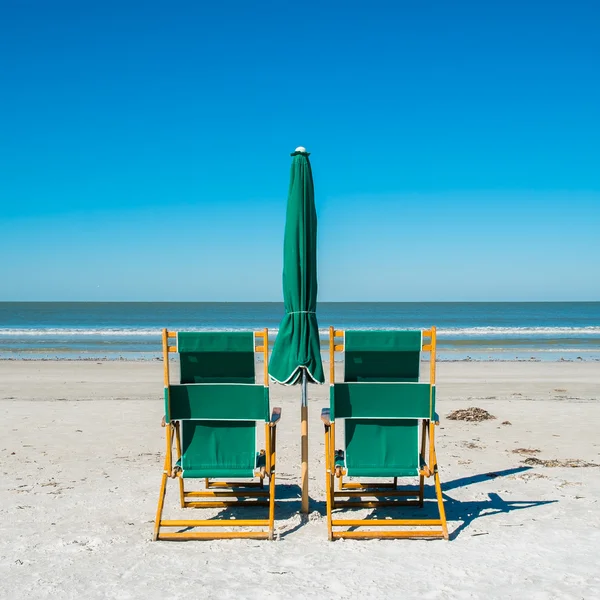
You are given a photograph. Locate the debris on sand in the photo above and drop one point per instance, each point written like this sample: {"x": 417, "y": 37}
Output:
{"x": 528, "y": 476}
{"x": 526, "y": 451}
{"x": 470, "y": 414}
{"x": 574, "y": 463}
{"x": 506, "y": 423}
{"x": 472, "y": 446}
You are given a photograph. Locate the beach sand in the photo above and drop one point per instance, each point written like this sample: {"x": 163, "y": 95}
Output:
{"x": 81, "y": 456}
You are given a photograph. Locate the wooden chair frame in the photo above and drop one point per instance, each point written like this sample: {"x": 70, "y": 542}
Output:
{"x": 385, "y": 493}
{"x": 215, "y": 492}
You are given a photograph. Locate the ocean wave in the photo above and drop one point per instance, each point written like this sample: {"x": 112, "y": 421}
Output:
{"x": 120, "y": 332}
{"x": 496, "y": 331}
{"x": 450, "y": 332}
{"x": 518, "y": 331}
{"x": 56, "y": 331}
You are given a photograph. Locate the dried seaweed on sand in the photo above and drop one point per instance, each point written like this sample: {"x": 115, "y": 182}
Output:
{"x": 569, "y": 462}
{"x": 526, "y": 451}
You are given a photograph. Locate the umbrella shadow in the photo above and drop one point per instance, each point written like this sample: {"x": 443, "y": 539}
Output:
{"x": 288, "y": 504}
{"x": 471, "y": 479}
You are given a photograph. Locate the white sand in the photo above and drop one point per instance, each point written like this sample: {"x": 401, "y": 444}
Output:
{"x": 81, "y": 459}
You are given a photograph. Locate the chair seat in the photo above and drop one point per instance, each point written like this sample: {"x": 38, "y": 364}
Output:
{"x": 218, "y": 448}
{"x": 381, "y": 447}
{"x": 216, "y": 473}
{"x": 382, "y": 472}
{"x": 213, "y": 472}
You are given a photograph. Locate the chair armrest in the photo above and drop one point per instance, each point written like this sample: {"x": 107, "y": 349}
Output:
{"x": 275, "y": 416}
{"x": 326, "y": 416}
{"x": 424, "y": 469}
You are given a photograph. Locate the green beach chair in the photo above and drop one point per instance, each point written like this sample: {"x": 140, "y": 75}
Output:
{"x": 211, "y": 416}
{"x": 389, "y": 420}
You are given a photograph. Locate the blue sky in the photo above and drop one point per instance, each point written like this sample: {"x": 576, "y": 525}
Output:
{"x": 145, "y": 148}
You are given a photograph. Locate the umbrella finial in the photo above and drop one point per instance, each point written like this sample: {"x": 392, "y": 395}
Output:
{"x": 300, "y": 150}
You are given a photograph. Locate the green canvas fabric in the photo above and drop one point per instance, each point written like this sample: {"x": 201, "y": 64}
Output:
{"x": 218, "y": 401}
{"x": 382, "y": 447}
{"x": 218, "y": 448}
{"x": 382, "y": 400}
{"x": 383, "y": 341}
{"x": 216, "y": 357}
{"x": 215, "y": 341}
{"x": 298, "y": 345}
{"x": 261, "y": 461}
{"x": 215, "y": 472}
{"x": 382, "y": 355}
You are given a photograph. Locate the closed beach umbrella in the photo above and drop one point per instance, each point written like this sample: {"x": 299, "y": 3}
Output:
{"x": 296, "y": 356}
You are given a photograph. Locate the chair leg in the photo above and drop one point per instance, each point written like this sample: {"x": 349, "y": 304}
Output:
{"x": 271, "y": 506}
{"x": 422, "y": 460}
{"x": 330, "y": 503}
{"x": 181, "y": 493}
{"x": 178, "y": 450}
{"x": 329, "y": 482}
{"x": 440, "y": 501}
{"x": 271, "y": 432}
{"x": 159, "y": 510}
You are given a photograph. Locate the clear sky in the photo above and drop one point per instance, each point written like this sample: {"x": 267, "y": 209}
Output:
{"x": 144, "y": 148}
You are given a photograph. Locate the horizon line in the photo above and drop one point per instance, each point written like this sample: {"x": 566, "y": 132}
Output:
{"x": 281, "y": 301}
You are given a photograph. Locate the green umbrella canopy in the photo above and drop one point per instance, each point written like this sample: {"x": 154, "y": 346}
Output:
{"x": 297, "y": 345}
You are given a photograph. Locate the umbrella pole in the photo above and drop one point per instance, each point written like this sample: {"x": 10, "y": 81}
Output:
{"x": 304, "y": 442}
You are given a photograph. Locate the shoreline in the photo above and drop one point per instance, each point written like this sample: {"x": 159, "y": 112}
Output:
{"x": 51, "y": 380}
{"x": 135, "y": 359}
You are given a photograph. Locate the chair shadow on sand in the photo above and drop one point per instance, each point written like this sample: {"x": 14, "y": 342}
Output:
{"x": 465, "y": 512}
{"x": 287, "y": 505}
{"x": 288, "y": 498}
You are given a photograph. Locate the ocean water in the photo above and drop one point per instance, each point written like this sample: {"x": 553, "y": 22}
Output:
{"x": 466, "y": 330}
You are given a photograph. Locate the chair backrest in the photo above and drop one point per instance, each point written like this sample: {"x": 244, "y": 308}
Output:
{"x": 217, "y": 377}
{"x": 381, "y": 375}
{"x": 382, "y": 355}
{"x": 216, "y": 357}
{"x": 387, "y": 400}
{"x": 219, "y": 402}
